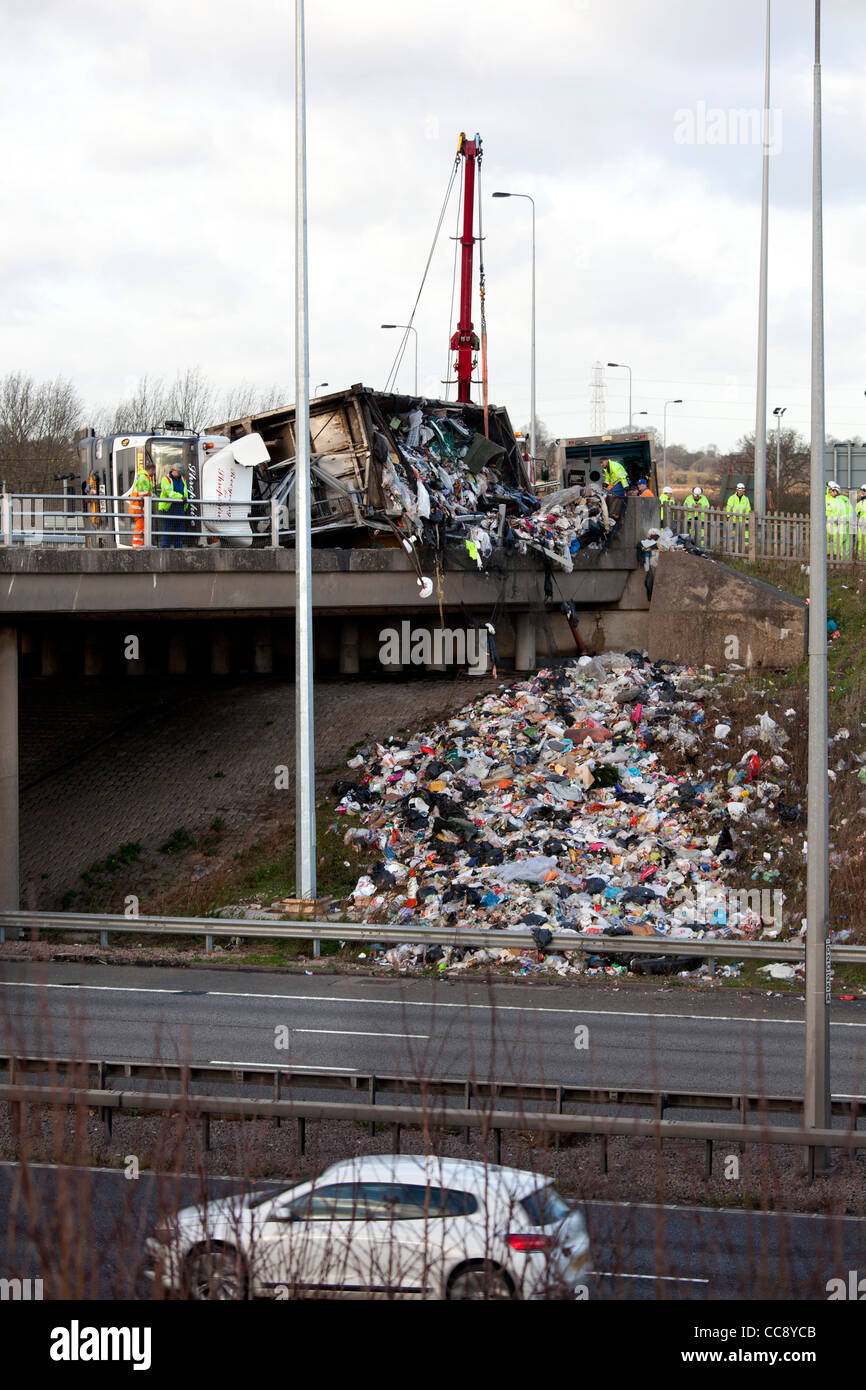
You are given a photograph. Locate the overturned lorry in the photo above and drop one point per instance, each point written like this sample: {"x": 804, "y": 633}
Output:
{"x": 425, "y": 474}
{"x": 359, "y": 438}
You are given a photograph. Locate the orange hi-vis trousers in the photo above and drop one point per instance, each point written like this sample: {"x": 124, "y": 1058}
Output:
{"x": 136, "y": 511}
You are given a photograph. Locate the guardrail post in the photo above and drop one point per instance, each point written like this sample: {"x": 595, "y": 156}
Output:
{"x": 208, "y": 944}
{"x": 497, "y": 1146}
{"x": 103, "y": 940}
{"x": 205, "y": 1131}
{"x": 302, "y": 1135}
{"x": 604, "y": 1153}
{"x": 148, "y": 522}
{"x": 395, "y": 1130}
{"x": 104, "y": 1110}
{"x": 275, "y": 523}
{"x": 276, "y": 1097}
{"x": 371, "y": 1092}
{"x": 708, "y": 1167}
{"x": 7, "y": 519}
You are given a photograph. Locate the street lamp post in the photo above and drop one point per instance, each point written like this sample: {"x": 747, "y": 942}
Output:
{"x": 816, "y": 1089}
{"x": 409, "y": 328}
{"x": 760, "y": 470}
{"x": 532, "y": 357}
{"x": 626, "y": 369}
{"x": 678, "y": 401}
{"x": 305, "y": 765}
{"x": 778, "y": 411}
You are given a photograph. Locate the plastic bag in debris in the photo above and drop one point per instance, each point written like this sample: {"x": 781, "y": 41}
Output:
{"x": 527, "y": 870}
{"x": 779, "y": 971}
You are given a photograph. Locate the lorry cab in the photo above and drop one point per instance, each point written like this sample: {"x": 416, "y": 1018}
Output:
{"x": 213, "y": 468}
{"x": 108, "y": 466}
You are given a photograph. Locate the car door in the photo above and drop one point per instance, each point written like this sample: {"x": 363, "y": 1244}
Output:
{"x": 307, "y": 1244}
{"x": 408, "y": 1233}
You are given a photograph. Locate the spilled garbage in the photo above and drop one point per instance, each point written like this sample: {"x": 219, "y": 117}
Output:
{"x": 445, "y": 487}
{"x": 546, "y": 806}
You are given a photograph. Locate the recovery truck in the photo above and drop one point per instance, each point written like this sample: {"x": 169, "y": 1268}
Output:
{"x": 580, "y": 462}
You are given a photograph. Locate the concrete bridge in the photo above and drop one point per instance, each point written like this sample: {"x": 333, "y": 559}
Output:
{"x": 79, "y": 612}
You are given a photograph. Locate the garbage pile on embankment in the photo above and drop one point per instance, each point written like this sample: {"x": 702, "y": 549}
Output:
{"x": 546, "y": 806}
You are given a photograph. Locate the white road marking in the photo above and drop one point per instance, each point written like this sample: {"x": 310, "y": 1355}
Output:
{"x": 659, "y": 1278}
{"x": 282, "y": 1066}
{"x": 355, "y": 1033}
{"x": 425, "y": 1004}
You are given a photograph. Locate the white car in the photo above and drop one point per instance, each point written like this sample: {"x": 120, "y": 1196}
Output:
{"x": 381, "y": 1226}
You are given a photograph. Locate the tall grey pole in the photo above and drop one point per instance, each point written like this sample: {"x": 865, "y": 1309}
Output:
{"x": 761, "y": 408}
{"x": 9, "y": 881}
{"x": 817, "y": 1078}
{"x": 409, "y": 329}
{"x": 305, "y": 770}
{"x": 532, "y": 363}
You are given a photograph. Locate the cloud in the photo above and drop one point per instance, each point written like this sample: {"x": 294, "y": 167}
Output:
{"x": 148, "y": 224}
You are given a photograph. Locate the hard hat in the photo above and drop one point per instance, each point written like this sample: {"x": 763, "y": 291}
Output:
{"x": 697, "y": 491}
{"x": 862, "y": 487}
{"x": 668, "y": 489}
{"x": 741, "y": 487}
{"x": 834, "y": 486}
{"x": 641, "y": 482}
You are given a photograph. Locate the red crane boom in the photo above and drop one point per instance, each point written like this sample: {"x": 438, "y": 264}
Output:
{"x": 465, "y": 341}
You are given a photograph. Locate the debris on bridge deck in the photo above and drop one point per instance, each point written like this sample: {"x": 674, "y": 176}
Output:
{"x": 434, "y": 476}
{"x": 546, "y": 806}
{"x": 445, "y": 481}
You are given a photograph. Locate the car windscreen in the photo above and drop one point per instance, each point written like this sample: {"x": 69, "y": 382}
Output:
{"x": 545, "y": 1206}
{"x": 165, "y": 453}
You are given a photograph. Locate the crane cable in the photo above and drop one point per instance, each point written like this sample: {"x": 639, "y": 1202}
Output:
{"x": 392, "y": 375}
{"x": 482, "y": 295}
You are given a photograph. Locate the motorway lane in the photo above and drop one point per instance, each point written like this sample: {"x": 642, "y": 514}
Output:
{"x": 674, "y": 1039}
{"x": 640, "y": 1251}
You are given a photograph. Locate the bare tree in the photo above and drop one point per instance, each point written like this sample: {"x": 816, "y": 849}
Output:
{"x": 37, "y": 424}
{"x": 191, "y": 398}
{"x": 793, "y": 464}
{"x": 248, "y": 399}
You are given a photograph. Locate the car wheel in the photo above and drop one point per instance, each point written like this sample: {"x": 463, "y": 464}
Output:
{"x": 217, "y": 1273}
{"x": 481, "y": 1281}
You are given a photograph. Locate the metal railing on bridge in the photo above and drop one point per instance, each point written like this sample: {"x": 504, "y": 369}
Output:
{"x": 777, "y": 536}
{"x": 108, "y": 521}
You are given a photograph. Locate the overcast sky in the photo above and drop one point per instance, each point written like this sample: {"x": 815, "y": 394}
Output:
{"x": 148, "y": 212}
